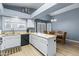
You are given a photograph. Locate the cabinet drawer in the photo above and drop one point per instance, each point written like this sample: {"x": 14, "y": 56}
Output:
{"x": 10, "y": 41}
{"x": 39, "y": 39}
{"x": 44, "y": 41}
{"x": 43, "y": 48}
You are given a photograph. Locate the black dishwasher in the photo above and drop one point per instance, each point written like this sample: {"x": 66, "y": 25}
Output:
{"x": 24, "y": 39}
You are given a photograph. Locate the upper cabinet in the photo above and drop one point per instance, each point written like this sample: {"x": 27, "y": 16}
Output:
{"x": 30, "y": 23}
{"x": 6, "y": 24}
{"x": 9, "y": 24}
{"x": 1, "y": 8}
{"x": 21, "y": 26}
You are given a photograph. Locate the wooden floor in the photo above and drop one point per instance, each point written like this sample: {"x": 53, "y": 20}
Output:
{"x": 69, "y": 49}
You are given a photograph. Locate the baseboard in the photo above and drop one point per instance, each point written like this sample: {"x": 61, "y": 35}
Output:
{"x": 72, "y": 40}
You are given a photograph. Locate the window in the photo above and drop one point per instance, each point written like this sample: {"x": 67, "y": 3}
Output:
{"x": 41, "y": 27}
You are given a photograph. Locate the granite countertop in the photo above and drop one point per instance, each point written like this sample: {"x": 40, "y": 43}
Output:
{"x": 33, "y": 33}
{"x": 44, "y": 35}
{"x": 16, "y": 33}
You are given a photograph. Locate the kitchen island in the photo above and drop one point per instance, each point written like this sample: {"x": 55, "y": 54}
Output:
{"x": 45, "y": 43}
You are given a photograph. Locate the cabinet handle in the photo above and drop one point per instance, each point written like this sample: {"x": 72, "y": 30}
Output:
{"x": 1, "y": 41}
{"x": 47, "y": 44}
{"x": 54, "y": 40}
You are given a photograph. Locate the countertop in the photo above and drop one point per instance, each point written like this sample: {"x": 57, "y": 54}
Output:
{"x": 44, "y": 35}
{"x": 13, "y": 34}
{"x": 33, "y": 33}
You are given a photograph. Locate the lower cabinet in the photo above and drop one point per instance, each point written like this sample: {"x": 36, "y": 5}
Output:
{"x": 45, "y": 46}
{"x": 10, "y": 42}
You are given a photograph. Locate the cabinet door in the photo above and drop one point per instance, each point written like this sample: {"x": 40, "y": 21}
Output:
{"x": 17, "y": 40}
{"x": 42, "y": 45}
{"x": 7, "y": 26}
{"x": 7, "y": 42}
{"x": 30, "y": 23}
{"x": 42, "y": 48}
{"x": 33, "y": 40}
{"x": 39, "y": 43}
{"x": 11, "y": 41}
{"x": 14, "y": 25}
{"x": 21, "y": 26}
{"x": 43, "y": 41}
{"x": 30, "y": 40}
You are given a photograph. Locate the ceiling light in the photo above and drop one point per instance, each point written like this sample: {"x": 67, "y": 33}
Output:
{"x": 53, "y": 20}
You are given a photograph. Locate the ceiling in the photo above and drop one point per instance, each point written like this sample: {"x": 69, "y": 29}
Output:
{"x": 65, "y": 9}
{"x": 28, "y": 5}
{"x": 48, "y": 9}
{"x": 58, "y": 8}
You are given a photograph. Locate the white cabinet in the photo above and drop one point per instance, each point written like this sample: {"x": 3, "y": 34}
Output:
{"x": 18, "y": 26}
{"x": 7, "y": 26}
{"x": 10, "y": 23}
{"x": 21, "y": 26}
{"x": 10, "y": 41}
{"x": 46, "y": 46}
{"x": 30, "y": 23}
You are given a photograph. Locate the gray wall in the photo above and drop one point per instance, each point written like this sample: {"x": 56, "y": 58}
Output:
{"x": 69, "y": 22}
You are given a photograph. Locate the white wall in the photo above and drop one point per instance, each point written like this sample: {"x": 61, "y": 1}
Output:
{"x": 1, "y": 8}
{"x": 12, "y": 13}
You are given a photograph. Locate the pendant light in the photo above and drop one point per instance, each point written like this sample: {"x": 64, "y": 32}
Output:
{"x": 53, "y": 19}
